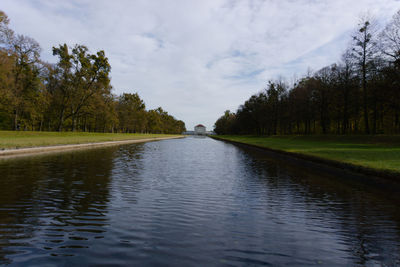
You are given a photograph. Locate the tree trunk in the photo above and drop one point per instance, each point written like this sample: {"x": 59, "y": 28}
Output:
{"x": 345, "y": 123}
{"x": 16, "y": 127}
{"x": 374, "y": 117}
{"x": 73, "y": 123}
{"x": 365, "y": 94}
{"x": 61, "y": 120}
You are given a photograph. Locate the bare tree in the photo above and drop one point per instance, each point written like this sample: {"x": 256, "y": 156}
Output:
{"x": 390, "y": 40}
{"x": 364, "y": 51}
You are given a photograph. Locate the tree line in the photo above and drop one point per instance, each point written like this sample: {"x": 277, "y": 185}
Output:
{"x": 74, "y": 94}
{"x": 358, "y": 95}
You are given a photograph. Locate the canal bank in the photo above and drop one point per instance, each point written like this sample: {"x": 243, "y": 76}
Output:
{"x": 59, "y": 148}
{"x": 289, "y": 152}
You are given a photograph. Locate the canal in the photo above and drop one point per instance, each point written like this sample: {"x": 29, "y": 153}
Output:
{"x": 192, "y": 201}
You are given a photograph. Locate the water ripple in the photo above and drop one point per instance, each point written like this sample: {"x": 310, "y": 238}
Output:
{"x": 187, "y": 202}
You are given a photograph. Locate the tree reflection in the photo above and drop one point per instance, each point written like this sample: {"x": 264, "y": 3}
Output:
{"x": 366, "y": 214}
{"x": 53, "y": 200}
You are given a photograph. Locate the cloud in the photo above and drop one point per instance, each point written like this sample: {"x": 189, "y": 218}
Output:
{"x": 197, "y": 58}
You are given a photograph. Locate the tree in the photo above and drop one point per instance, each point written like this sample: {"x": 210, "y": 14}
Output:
{"x": 224, "y": 125}
{"x": 6, "y": 83}
{"x": 6, "y": 34}
{"x": 76, "y": 92}
{"x": 360, "y": 91}
{"x": 347, "y": 90}
{"x": 364, "y": 52}
{"x": 131, "y": 113}
{"x": 390, "y": 48}
{"x": 25, "y": 52}
{"x": 77, "y": 77}
{"x": 390, "y": 40}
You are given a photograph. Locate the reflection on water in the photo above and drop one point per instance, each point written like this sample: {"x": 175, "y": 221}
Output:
{"x": 50, "y": 205}
{"x": 193, "y": 201}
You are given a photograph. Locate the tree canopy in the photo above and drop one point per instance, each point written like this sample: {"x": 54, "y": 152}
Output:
{"x": 74, "y": 94}
{"x": 359, "y": 94}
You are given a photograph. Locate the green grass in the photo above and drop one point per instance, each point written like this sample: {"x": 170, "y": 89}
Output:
{"x": 376, "y": 152}
{"x": 20, "y": 139}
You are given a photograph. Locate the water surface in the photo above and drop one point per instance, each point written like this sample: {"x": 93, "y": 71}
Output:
{"x": 192, "y": 201}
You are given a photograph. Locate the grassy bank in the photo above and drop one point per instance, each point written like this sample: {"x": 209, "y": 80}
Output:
{"x": 380, "y": 153}
{"x": 21, "y": 139}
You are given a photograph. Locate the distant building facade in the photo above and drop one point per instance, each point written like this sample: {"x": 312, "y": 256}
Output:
{"x": 200, "y": 129}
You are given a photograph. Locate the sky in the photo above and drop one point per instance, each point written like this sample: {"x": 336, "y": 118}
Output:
{"x": 198, "y": 58}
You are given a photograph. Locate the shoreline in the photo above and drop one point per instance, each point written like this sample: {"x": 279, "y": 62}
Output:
{"x": 357, "y": 169}
{"x": 9, "y": 153}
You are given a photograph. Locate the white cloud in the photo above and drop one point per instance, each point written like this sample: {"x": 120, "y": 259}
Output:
{"x": 197, "y": 58}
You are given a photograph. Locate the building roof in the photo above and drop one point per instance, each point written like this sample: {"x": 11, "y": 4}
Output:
{"x": 200, "y": 125}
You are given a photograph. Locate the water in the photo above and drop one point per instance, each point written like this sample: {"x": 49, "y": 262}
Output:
{"x": 192, "y": 201}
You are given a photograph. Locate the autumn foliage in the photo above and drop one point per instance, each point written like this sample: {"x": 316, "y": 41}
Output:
{"x": 75, "y": 94}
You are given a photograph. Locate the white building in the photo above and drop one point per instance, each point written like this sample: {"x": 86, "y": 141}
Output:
{"x": 200, "y": 129}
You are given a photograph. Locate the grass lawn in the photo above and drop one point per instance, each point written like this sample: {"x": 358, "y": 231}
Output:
{"x": 376, "y": 152}
{"x": 20, "y": 139}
